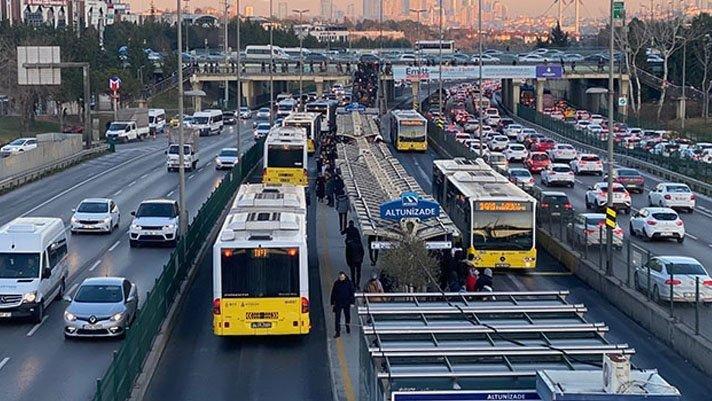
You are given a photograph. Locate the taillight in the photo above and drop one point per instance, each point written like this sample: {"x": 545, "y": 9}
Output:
{"x": 544, "y": 205}
{"x": 693, "y": 197}
{"x": 668, "y": 197}
{"x": 305, "y": 305}
{"x": 650, "y": 222}
{"x": 679, "y": 222}
{"x": 673, "y": 282}
{"x": 618, "y": 231}
{"x": 707, "y": 283}
{"x": 568, "y": 206}
{"x": 216, "y": 306}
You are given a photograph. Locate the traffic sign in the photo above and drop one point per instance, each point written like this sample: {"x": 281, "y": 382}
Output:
{"x": 611, "y": 217}
{"x": 114, "y": 84}
{"x": 28, "y": 75}
{"x": 622, "y": 101}
{"x": 409, "y": 205}
{"x": 619, "y": 13}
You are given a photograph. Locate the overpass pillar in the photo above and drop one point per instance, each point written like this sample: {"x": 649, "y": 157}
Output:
{"x": 319, "y": 82}
{"x": 416, "y": 94}
{"x": 197, "y": 100}
{"x": 624, "y": 90}
{"x": 515, "y": 93}
{"x": 540, "y": 95}
{"x": 506, "y": 93}
{"x": 248, "y": 92}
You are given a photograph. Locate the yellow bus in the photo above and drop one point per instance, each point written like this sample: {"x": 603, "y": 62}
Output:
{"x": 311, "y": 122}
{"x": 260, "y": 264}
{"x": 497, "y": 219}
{"x": 409, "y": 130}
{"x": 285, "y": 156}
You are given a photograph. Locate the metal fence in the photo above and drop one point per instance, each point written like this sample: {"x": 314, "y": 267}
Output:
{"x": 689, "y": 305}
{"x": 689, "y": 168}
{"x": 117, "y": 382}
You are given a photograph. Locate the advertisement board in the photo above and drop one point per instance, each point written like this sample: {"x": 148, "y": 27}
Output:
{"x": 461, "y": 72}
{"x": 465, "y": 395}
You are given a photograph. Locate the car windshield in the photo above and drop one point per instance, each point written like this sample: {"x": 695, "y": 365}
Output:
{"x": 555, "y": 199}
{"x": 629, "y": 173}
{"x": 19, "y": 265}
{"x": 117, "y": 127}
{"x": 93, "y": 207}
{"x": 263, "y": 127}
{"x": 540, "y": 157}
{"x": 99, "y": 294}
{"x": 156, "y": 210}
{"x": 517, "y": 147}
{"x": 17, "y": 142}
{"x": 200, "y": 120}
{"x": 173, "y": 149}
{"x": 244, "y": 109}
{"x": 594, "y": 221}
{"x": 503, "y": 230}
{"x": 520, "y": 173}
{"x": 228, "y": 152}
{"x": 589, "y": 158}
{"x": 561, "y": 169}
{"x": 685, "y": 268}
{"x": 665, "y": 216}
{"x": 678, "y": 189}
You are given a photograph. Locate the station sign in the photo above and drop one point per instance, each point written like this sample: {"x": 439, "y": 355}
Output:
{"x": 461, "y": 72}
{"x": 355, "y": 106}
{"x": 463, "y": 395}
{"x": 549, "y": 71}
{"x": 410, "y": 205}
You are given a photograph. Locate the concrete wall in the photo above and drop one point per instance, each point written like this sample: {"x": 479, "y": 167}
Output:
{"x": 50, "y": 149}
{"x": 653, "y": 317}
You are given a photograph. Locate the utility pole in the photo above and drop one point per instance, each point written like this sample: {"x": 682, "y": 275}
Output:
{"x": 271, "y": 64}
{"x": 187, "y": 49}
{"x": 440, "y": 63}
{"x": 480, "y": 112}
{"x": 683, "y": 99}
{"x": 609, "y": 203}
{"x": 417, "y": 11}
{"x": 183, "y": 221}
{"x": 301, "y": 12}
{"x": 239, "y": 82}
{"x": 227, "y": 54}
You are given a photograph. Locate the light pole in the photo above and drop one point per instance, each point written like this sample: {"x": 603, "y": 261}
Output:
{"x": 683, "y": 98}
{"x": 417, "y": 11}
{"x": 440, "y": 63}
{"x": 271, "y": 65}
{"x": 183, "y": 221}
{"x": 227, "y": 55}
{"x": 609, "y": 203}
{"x": 301, "y": 12}
{"x": 479, "y": 61}
{"x": 187, "y": 50}
{"x": 239, "y": 81}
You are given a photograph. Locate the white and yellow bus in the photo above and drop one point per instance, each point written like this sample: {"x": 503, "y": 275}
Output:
{"x": 409, "y": 130}
{"x": 497, "y": 219}
{"x": 311, "y": 122}
{"x": 285, "y": 156}
{"x": 260, "y": 264}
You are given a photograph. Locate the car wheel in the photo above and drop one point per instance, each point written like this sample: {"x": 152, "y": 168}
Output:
{"x": 39, "y": 313}
{"x": 660, "y": 203}
{"x": 571, "y": 185}
{"x": 133, "y": 243}
{"x": 588, "y": 205}
{"x": 650, "y": 201}
{"x": 680, "y": 240}
{"x": 631, "y": 229}
{"x": 690, "y": 210}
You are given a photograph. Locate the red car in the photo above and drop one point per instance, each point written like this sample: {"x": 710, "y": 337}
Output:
{"x": 542, "y": 145}
{"x": 537, "y": 161}
{"x": 531, "y": 138}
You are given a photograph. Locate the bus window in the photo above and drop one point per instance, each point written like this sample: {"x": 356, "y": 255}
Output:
{"x": 260, "y": 272}
{"x": 285, "y": 156}
{"x": 502, "y": 229}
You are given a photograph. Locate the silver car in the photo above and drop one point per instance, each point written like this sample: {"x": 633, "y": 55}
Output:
{"x": 101, "y": 307}
{"x": 678, "y": 272}
{"x": 226, "y": 159}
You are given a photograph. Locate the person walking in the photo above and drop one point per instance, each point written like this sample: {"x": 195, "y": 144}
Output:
{"x": 329, "y": 190}
{"x": 374, "y": 286}
{"x": 354, "y": 253}
{"x": 342, "y": 297}
{"x": 320, "y": 188}
{"x": 342, "y": 207}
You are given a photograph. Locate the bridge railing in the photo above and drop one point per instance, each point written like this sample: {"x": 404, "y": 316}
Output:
{"x": 280, "y": 69}
{"x": 117, "y": 382}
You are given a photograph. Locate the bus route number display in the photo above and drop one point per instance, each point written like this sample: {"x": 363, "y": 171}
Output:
{"x": 503, "y": 206}
{"x": 412, "y": 123}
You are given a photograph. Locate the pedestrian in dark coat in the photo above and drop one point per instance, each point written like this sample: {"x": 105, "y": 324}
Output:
{"x": 329, "y": 190}
{"x": 338, "y": 185}
{"x": 354, "y": 256}
{"x": 342, "y": 207}
{"x": 342, "y": 297}
{"x": 320, "y": 188}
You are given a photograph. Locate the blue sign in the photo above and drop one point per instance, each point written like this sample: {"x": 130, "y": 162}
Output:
{"x": 355, "y": 106}
{"x": 505, "y": 395}
{"x": 549, "y": 71}
{"x": 409, "y": 205}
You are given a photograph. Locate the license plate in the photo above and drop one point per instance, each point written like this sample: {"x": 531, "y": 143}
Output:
{"x": 502, "y": 265}
{"x": 154, "y": 233}
{"x": 5, "y": 314}
{"x": 666, "y": 234}
{"x": 261, "y": 325}
{"x": 689, "y": 295}
{"x": 91, "y": 327}
{"x": 556, "y": 213}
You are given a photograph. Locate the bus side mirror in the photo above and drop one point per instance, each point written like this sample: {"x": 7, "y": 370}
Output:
{"x": 46, "y": 273}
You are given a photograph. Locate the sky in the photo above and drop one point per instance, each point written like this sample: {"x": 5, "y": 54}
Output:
{"x": 591, "y": 8}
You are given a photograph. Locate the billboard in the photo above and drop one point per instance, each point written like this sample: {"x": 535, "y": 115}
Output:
{"x": 465, "y": 395}
{"x": 46, "y": 3}
{"x": 460, "y": 72}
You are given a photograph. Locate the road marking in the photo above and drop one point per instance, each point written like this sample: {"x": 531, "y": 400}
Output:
{"x": 144, "y": 176}
{"x": 691, "y": 236}
{"x": 37, "y": 326}
{"x": 98, "y": 262}
{"x": 549, "y": 274}
{"x": 74, "y": 287}
{"x": 190, "y": 177}
{"x": 115, "y": 245}
{"x": 4, "y": 362}
{"x": 579, "y": 181}
{"x": 79, "y": 184}
{"x": 131, "y": 183}
{"x": 118, "y": 192}
{"x": 170, "y": 193}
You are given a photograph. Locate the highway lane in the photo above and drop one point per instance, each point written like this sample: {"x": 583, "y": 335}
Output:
{"x": 40, "y": 353}
{"x": 198, "y": 365}
{"x": 551, "y": 275}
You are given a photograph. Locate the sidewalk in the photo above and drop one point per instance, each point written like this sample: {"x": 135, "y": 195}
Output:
{"x": 343, "y": 351}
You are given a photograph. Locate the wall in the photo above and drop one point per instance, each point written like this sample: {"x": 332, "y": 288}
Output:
{"x": 51, "y": 148}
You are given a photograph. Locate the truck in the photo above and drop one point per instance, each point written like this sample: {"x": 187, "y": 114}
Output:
{"x": 131, "y": 124}
{"x": 190, "y": 146}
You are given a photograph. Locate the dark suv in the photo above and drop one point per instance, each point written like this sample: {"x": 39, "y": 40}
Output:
{"x": 555, "y": 204}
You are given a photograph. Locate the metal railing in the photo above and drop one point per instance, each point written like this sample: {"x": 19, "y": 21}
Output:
{"x": 117, "y": 382}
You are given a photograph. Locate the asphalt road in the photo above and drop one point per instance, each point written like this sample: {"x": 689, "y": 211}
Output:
{"x": 36, "y": 362}
{"x": 551, "y": 275}
{"x": 198, "y": 365}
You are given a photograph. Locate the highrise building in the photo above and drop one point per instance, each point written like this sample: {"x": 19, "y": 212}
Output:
{"x": 282, "y": 10}
{"x": 327, "y": 10}
{"x": 372, "y": 9}
{"x": 350, "y": 12}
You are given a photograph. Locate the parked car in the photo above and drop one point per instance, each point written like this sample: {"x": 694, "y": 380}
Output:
{"x": 101, "y": 307}
{"x": 679, "y": 272}
{"x": 597, "y": 197}
{"x": 19, "y": 145}
{"x": 589, "y": 230}
{"x": 95, "y": 215}
{"x": 657, "y": 223}
{"x": 558, "y": 174}
{"x": 673, "y": 195}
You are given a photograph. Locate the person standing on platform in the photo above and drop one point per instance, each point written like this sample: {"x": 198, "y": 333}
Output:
{"x": 342, "y": 297}
{"x": 354, "y": 252}
{"x": 320, "y": 188}
{"x": 342, "y": 207}
{"x": 329, "y": 189}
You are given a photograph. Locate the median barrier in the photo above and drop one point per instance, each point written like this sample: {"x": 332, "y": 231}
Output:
{"x": 128, "y": 362}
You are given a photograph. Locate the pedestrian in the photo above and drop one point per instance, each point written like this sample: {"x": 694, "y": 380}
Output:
{"x": 329, "y": 190}
{"x": 374, "y": 286}
{"x": 600, "y": 65}
{"x": 338, "y": 184}
{"x": 454, "y": 284}
{"x": 320, "y": 188}
{"x": 561, "y": 61}
{"x": 485, "y": 280}
{"x": 354, "y": 253}
{"x": 342, "y": 207}
{"x": 342, "y": 297}
{"x": 573, "y": 65}
{"x": 471, "y": 281}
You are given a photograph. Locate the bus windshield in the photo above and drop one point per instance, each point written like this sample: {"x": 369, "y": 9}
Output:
{"x": 502, "y": 230}
{"x": 285, "y": 156}
{"x": 20, "y": 265}
{"x": 411, "y": 133}
{"x": 260, "y": 272}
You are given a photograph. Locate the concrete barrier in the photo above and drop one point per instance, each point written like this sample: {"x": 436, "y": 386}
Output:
{"x": 653, "y": 317}
{"x": 50, "y": 149}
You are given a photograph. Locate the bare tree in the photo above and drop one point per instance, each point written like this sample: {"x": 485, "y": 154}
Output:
{"x": 632, "y": 41}
{"x": 410, "y": 263}
{"x": 703, "y": 54}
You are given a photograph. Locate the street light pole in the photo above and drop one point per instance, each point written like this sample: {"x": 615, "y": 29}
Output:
{"x": 271, "y": 65}
{"x": 479, "y": 61}
{"x": 227, "y": 56}
{"x": 440, "y": 63}
{"x": 683, "y": 105}
{"x": 239, "y": 81}
{"x": 609, "y": 203}
{"x": 417, "y": 11}
{"x": 183, "y": 221}
{"x": 301, "y": 12}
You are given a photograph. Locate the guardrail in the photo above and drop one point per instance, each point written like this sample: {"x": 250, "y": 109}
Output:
{"x": 696, "y": 175}
{"x": 117, "y": 382}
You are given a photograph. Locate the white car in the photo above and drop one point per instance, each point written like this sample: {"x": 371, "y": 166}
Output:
{"x": 155, "y": 221}
{"x": 486, "y": 58}
{"x": 582, "y": 125}
{"x": 497, "y": 160}
{"x": 673, "y": 195}
{"x": 478, "y": 147}
{"x": 261, "y": 131}
{"x": 512, "y": 131}
{"x": 245, "y": 113}
{"x": 19, "y": 145}
{"x": 95, "y": 215}
{"x": 462, "y": 137}
{"x": 679, "y": 272}
{"x": 596, "y": 119}
{"x": 597, "y": 197}
{"x": 558, "y": 174}
{"x": 587, "y": 163}
{"x": 525, "y": 132}
{"x": 521, "y": 177}
{"x": 594, "y": 130}
{"x": 589, "y": 229}
{"x": 516, "y": 152}
{"x": 498, "y": 143}
{"x": 263, "y": 113}
{"x": 657, "y": 223}
{"x": 562, "y": 152}
{"x": 226, "y": 159}
{"x": 531, "y": 58}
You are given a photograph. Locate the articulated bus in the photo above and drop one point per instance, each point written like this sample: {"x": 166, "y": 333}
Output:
{"x": 311, "y": 122}
{"x": 433, "y": 46}
{"x": 497, "y": 219}
{"x": 327, "y": 108}
{"x": 260, "y": 264}
{"x": 409, "y": 130}
{"x": 285, "y": 156}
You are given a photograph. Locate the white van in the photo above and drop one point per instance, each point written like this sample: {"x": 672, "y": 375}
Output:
{"x": 208, "y": 122}
{"x": 263, "y": 52}
{"x": 33, "y": 266}
{"x": 157, "y": 121}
